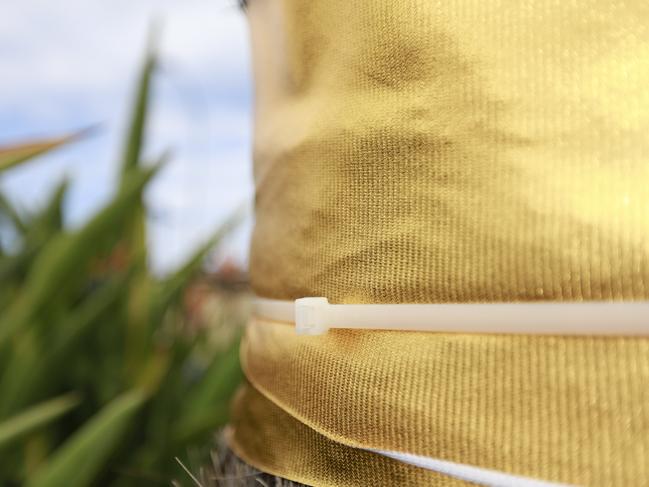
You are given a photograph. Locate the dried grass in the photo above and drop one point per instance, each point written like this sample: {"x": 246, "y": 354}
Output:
{"x": 228, "y": 470}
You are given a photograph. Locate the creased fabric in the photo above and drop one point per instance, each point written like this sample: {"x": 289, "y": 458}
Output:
{"x": 276, "y": 442}
{"x": 563, "y": 409}
{"x": 454, "y": 151}
{"x": 451, "y": 151}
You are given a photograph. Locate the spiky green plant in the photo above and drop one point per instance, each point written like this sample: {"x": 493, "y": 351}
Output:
{"x": 99, "y": 382}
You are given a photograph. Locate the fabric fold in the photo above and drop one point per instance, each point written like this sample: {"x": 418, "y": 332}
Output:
{"x": 562, "y": 409}
{"x": 270, "y": 439}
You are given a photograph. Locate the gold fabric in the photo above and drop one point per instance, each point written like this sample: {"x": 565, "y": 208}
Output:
{"x": 571, "y": 410}
{"x": 276, "y": 442}
{"x": 455, "y": 151}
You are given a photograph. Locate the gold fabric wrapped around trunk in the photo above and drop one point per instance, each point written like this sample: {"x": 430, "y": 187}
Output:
{"x": 428, "y": 151}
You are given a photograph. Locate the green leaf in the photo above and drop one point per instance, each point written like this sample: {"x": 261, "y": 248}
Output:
{"x": 221, "y": 379}
{"x": 59, "y": 265}
{"x": 17, "y": 426}
{"x": 13, "y": 155}
{"x": 50, "y": 219}
{"x": 27, "y": 373}
{"x": 135, "y": 239}
{"x": 137, "y": 126}
{"x": 202, "y": 423}
{"x": 36, "y": 233}
{"x": 170, "y": 289}
{"x": 78, "y": 462}
{"x": 10, "y": 213}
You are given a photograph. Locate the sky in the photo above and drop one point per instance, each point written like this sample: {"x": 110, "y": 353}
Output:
{"x": 70, "y": 64}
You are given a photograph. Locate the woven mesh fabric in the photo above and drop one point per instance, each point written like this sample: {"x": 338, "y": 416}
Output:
{"x": 436, "y": 151}
{"x": 563, "y": 409}
{"x": 282, "y": 445}
{"x": 453, "y": 151}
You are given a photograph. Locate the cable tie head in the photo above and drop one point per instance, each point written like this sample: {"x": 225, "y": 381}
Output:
{"x": 311, "y": 316}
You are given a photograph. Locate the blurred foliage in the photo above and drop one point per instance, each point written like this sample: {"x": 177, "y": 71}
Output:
{"x": 13, "y": 155}
{"x": 102, "y": 379}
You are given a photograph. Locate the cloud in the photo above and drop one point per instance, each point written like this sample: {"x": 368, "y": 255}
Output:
{"x": 75, "y": 43}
